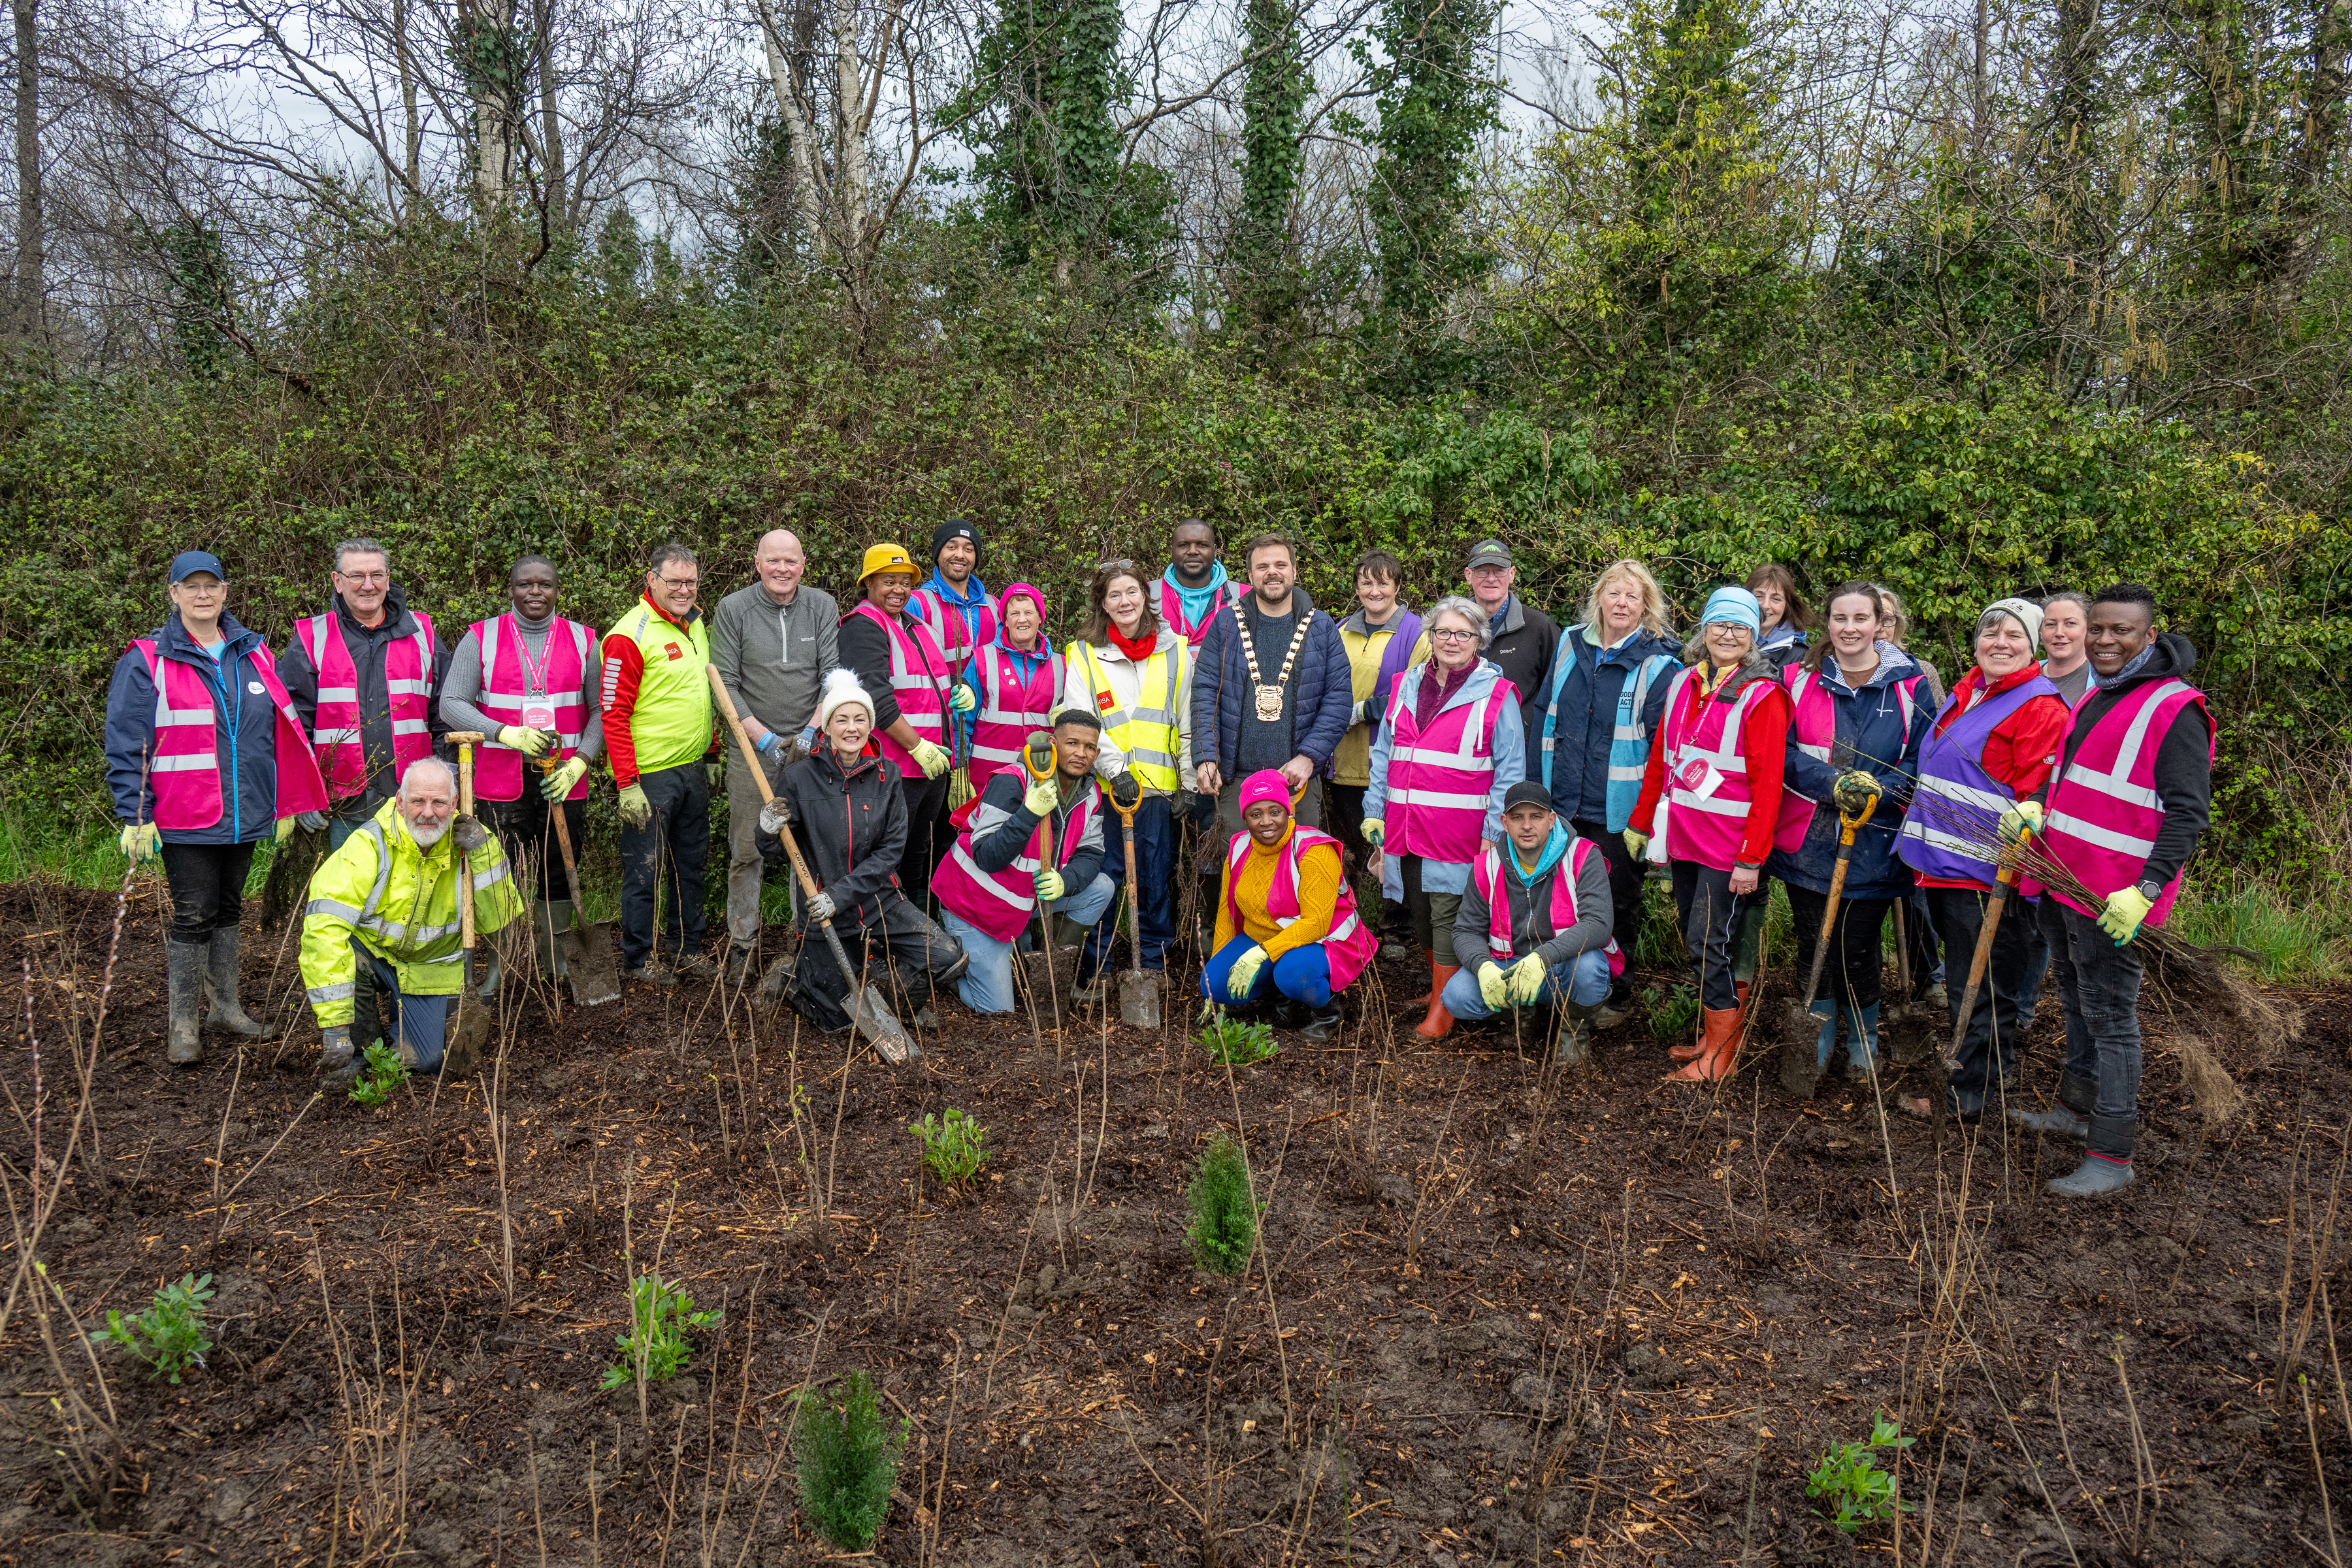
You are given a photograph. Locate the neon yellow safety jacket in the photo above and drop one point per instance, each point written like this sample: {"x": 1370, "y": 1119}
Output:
{"x": 401, "y": 902}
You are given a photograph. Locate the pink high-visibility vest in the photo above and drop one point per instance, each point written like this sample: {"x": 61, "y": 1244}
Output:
{"x": 1348, "y": 945}
{"x": 1707, "y": 773}
{"x": 947, "y": 626}
{"x": 183, "y": 769}
{"x": 2103, "y": 814}
{"x": 999, "y": 903}
{"x": 545, "y": 698}
{"x": 1440, "y": 782}
{"x": 1487, "y": 872}
{"x": 1171, "y": 610}
{"x": 336, "y": 727}
{"x": 1010, "y": 704}
{"x": 1812, "y": 724}
{"x": 918, "y": 679}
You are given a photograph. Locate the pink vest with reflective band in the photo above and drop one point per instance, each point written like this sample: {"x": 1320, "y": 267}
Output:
{"x": 999, "y": 903}
{"x": 1812, "y": 724}
{"x": 506, "y": 697}
{"x": 2104, "y": 812}
{"x": 1171, "y": 610}
{"x": 1347, "y": 946}
{"x": 1010, "y": 705}
{"x": 918, "y": 679}
{"x": 1487, "y": 872}
{"x": 335, "y": 727}
{"x": 1707, "y": 773}
{"x": 183, "y": 769}
{"x": 946, "y": 624}
{"x": 1440, "y": 782}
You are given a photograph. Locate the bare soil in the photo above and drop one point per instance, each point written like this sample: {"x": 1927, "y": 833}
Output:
{"x": 1500, "y": 1314}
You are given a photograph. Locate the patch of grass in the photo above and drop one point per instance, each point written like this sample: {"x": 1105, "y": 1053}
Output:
{"x": 848, "y": 1463}
{"x": 954, "y": 1146}
{"x": 1224, "y": 1216}
{"x": 1673, "y": 1010}
{"x": 2302, "y": 941}
{"x": 660, "y": 1315}
{"x": 1661, "y": 942}
{"x": 82, "y": 852}
{"x": 381, "y": 1079}
{"x": 1848, "y": 1478}
{"x": 1233, "y": 1043}
{"x": 169, "y": 1336}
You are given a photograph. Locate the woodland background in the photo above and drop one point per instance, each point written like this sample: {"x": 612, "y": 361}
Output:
{"x": 1971, "y": 297}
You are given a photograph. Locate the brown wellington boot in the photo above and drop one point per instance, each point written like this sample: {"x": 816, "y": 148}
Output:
{"x": 1716, "y": 1051}
{"x": 1440, "y": 1022}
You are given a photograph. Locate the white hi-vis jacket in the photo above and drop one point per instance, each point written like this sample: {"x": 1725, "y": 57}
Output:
{"x": 400, "y": 901}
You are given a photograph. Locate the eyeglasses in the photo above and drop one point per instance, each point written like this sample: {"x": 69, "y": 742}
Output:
{"x": 1452, "y": 633}
{"x": 680, "y": 581}
{"x": 185, "y": 587}
{"x": 364, "y": 579}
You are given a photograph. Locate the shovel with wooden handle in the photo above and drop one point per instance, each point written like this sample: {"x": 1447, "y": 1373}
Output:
{"x": 1139, "y": 992}
{"x": 1039, "y": 759}
{"x": 470, "y": 1030}
{"x": 869, "y": 1013}
{"x": 1800, "y": 1059}
{"x": 1949, "y": 1059}
{"x": 587, "y": 957}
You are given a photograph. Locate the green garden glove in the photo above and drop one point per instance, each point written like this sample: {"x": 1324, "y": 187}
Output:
{"x": 1374, "y": 830}
{"x": 561, "y": 782}
{"x": 1636, "y": 843}
{"x": 529, "y": 742}
{"x": 142, "y": 841}
{"x": 1856, "y": 791}
{"x": 931, "y": 758}
{"x": 961, "y": 699}
{"x": 1494, "y": 986}
{"x": 1243, "y": 974}
{"x": 1042, "y": 796}
{"x": 2020, "y": 820}
{"x": 2127, "y": 907}
{"x": 1527, "y": 979}
{"x": 1048, "y": 883}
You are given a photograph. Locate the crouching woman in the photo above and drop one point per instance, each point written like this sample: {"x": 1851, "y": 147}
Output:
{"x": 1286, "y": 916}
{"x": 1534, "y": 925}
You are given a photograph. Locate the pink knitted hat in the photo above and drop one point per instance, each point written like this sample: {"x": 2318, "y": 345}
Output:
{"x": 1266, "y": 783}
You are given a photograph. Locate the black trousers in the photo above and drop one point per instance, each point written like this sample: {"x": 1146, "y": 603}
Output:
{"x": 1344, "y": 820}
{"x": 1711, "y": 912}
{"x": 929, "y": 835}
{"x": 1626, "y": 877}
{"x": 526, "y": 826}
{"x": 902, "y": 953}
{"x": 1854, "y": 969}
{"x": 662, "y": 863}
{"x": 207, "y": 883}
{"x": 1988, "y": 1048}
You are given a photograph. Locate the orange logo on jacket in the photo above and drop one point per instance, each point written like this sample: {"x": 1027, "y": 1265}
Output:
{"x": 671, "y": 648}
{"x": 1103, "y": 702}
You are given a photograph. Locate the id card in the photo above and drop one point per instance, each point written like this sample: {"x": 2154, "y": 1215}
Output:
{"x": 1699, "y": 777}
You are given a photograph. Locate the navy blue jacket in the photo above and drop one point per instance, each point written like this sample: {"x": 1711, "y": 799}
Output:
{"x": 1584, "y": 717}
{"x": 1872, "y": 736}
{"x": 1221, "y": 690}
{"x": 244, "y": 734}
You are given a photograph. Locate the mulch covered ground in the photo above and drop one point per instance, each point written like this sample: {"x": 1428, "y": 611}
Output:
{"x": 1500, "y": 1315}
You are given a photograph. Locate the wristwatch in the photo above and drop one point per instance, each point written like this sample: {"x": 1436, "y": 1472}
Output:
{"x": 2151, "y": 890}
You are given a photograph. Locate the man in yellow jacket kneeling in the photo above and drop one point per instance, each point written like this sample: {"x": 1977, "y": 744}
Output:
{"x": 388, "y": 898}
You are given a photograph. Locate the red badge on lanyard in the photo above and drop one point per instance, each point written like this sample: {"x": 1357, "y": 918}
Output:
{"x": 536, "y": 712}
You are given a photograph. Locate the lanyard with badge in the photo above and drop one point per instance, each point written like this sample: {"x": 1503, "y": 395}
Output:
{"x": 538, "y": 713}
{"x": 1268, "y": 696}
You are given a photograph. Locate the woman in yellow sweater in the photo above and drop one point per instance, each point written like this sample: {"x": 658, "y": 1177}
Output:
{"x": 1287, "y": 917}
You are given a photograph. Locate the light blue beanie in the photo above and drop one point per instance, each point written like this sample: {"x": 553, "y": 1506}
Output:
{"x": 1734, "y": 605}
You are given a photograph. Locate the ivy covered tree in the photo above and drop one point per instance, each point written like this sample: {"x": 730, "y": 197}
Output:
{"x": 1265, "y": 268}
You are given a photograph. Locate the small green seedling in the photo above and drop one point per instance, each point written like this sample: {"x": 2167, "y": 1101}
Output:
{"x": 382, "y": 1078}
{"x": 656, "y": 1344}
{"x": 1674, "y": 1012}
{"x": 169, "y": 1336}
{"x": 848, "y": 1463}
{"x": 954, "y": 1146}
{"x": 1233, "y": 1043}
{"x": 1224, "y": 1218}
{"x": 1849, "y": 1478}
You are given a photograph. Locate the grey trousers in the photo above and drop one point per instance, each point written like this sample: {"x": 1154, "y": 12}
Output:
{"x": 744, "y": 867}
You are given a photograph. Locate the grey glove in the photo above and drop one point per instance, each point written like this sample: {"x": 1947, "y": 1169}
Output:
{"x": 338, "y": 1067}
{"x": 469, "y": 833}
{"x": 820, "y": 908}
{"x": 311, "y": 821}
{"x": 775, "y": 816}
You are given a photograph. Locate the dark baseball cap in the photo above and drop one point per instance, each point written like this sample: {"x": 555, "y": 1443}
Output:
{"x": 1489, "y": 552}
{"x": 1527, "y": 792}
{"x": 188, "y": 561}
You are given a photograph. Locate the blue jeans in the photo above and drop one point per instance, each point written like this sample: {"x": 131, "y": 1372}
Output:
{"x": 987, "y": 985}
{"x": 1302, "y": 974}
{"x": 1582, "y": 980}
{"x": 1155, "y": 891}
{"x": 423, "y": 1021}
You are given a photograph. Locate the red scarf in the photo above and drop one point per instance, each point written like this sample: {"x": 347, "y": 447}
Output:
{"x": 1137, "y": 649}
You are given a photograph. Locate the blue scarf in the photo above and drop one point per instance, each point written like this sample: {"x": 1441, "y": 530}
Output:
{"x": 2136, "y": 663}
{"x": 1197, "y": 601}
{"x": 1554, "y": 848}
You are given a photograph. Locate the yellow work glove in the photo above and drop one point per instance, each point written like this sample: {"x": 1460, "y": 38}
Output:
{"x": 1494, "y": 986}
{"x": 635, "y": 809}
{"x": 1527, "y": 979}
{"x": 2126, "y": 909}
{"x": 1048, "y": 883}
{"x": 142, "y": 841}
{"x": 561, "y": 780}
{"x": 931, "y": 758}
{"x": 1243, "y": 974}
{"x": 285, "y": 828}
{"x": 1042, "y": 796}
{"x": 1636, "y": 843}
{"x": 2020, "y": 820}
{"x": 1374, "y": 830}
{"x": 529, "y": 742}
{"x": 1855, "y": 790}
{"x": 961, "y": 699}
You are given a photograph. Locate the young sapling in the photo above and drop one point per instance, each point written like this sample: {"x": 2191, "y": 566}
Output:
{"x": 169, "y": 1336}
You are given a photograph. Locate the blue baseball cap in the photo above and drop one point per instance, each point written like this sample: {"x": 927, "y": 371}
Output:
{"x": 1737, "y": 607}
{"x": 188, "y": 561}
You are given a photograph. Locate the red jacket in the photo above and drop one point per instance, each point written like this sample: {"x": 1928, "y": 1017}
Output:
{"x": 1763, "y": 740}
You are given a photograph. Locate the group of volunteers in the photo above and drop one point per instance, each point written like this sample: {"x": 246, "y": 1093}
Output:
{"x": 961, "y": 787}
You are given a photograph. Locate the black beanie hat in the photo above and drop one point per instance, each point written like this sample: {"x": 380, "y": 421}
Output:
{"x": 956, "y": 528}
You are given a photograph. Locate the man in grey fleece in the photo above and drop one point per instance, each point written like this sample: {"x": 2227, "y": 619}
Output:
{"x": 541, "y": 699}
{"x": 1560, "y": 936}
{"x": 771, "y": 642}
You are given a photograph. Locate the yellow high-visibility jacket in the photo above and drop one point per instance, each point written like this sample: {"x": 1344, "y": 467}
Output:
{"x": 400, "y": 901}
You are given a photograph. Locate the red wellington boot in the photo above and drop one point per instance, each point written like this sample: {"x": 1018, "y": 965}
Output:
{"x": 1440, "y": 1022}
{"x": 1716, "y": 1051}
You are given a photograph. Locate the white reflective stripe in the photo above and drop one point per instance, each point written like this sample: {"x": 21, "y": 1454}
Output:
{"x": 2127, "y": 754}
{"x": 317, "y": 627}
{"x": 339, "y": 694}
{"x": 392, "y": 930}
{"x": 1633, "y": 774}
{"x": 1965, "y": 795}
{"x": 1713, "y": 805}
{"x": 408, "y": 727}
{"x": 330, "y": 906}
{"x": 404, "y": 687}
{"x": 1966, "y": 849}
{"x": 1146, "y": 755}
{"x": 2104, "y": 837}
{"x": 193, "y": 762}
{"x": 318, "y": 993}
{"x": 446, "y": 958}
{"x": 996, "y": 888}
{"x": 1406, "y": 795}
{"x": 1818, "y": 753}
{"x": 167, "y": 717}
{"x": 333, "y": 737}
{"x": 2116, "y": 786}
{"x": 491, "y": 877}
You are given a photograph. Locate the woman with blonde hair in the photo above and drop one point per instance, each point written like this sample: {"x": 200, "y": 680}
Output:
{"x": 1597, "y": 723}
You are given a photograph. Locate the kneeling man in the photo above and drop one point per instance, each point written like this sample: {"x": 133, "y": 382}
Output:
{"x": 989, "y": 883}
{"x": 388, "y": 899}
{"x": 1287, "y": 917}
{"x": 1538, "y": 918}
